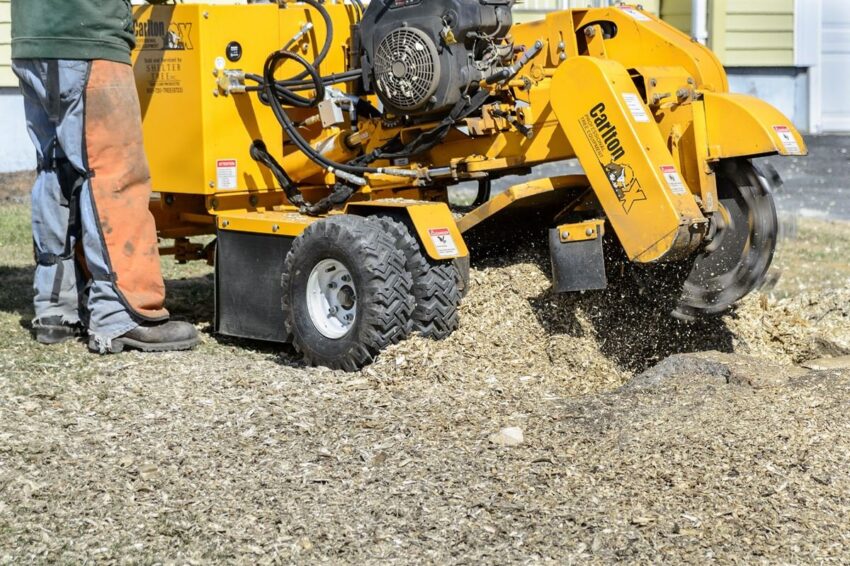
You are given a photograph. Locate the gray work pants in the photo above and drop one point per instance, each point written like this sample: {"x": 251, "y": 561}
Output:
{"x": 63, "y": 214}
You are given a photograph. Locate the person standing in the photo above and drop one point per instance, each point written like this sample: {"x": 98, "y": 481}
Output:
{"x": 96, "y": 250}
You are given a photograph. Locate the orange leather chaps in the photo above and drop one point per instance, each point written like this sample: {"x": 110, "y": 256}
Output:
{"x": 121, "y": 188}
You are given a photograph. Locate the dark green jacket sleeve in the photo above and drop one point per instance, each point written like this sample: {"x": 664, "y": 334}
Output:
{"x": 72, "y": 29}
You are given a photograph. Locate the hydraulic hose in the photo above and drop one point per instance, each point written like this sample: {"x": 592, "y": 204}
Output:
{"x": 329, "y": 35}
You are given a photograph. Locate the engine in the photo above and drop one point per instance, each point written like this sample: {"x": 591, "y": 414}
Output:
{"x": 421, "y": 56}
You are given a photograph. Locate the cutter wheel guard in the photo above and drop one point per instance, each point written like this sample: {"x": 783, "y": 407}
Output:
{"x": 319, "y": 142}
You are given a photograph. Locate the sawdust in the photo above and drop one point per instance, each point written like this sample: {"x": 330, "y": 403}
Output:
{"x": 512, "y": 324}
{"x": 547, "y": 429}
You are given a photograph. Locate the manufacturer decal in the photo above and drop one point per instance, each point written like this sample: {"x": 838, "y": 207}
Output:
{"x": 443, "y": 241}
{"x": 605, "y": 142}
{"x": 226, "y": 174}
{"x": 674, "y": 181}
{"x": 788, "y": 140}
{"x": 154, "y": 35}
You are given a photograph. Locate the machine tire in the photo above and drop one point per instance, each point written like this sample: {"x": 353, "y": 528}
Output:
{"x": 436, "y": 284}
{"x": 382, "y": 292}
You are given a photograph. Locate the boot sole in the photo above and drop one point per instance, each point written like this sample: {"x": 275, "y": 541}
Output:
{"x": 121, "y": 344}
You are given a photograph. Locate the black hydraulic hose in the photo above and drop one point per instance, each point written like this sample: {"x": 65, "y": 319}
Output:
{"x": 329, "y": 36}
{"x": 286, "y": 94}
{"x": 293, "y": 85}
{"x": 260, "y": 153}
{"x": 274, "y": 100}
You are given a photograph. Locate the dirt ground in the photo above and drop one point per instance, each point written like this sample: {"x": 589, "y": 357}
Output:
{"x": 643, "y": 440}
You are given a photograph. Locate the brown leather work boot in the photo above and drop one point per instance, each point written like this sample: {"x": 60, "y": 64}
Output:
{"x": 167, "y": 336}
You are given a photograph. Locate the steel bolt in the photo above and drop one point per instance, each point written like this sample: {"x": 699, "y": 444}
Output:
{"x": 225, "y": 223}
{"x": 562, "y": 56}
{"x": 349, "y": 317}
{"x": 590, "y": 32}
{"x": 333, "y": 310}
{"x": 589, "y": 232}
{"x": 565, "y": 235}
{"x": 275, "y": 228}
{"x": 346, "y": 278}
{"x": 331, "y": 285}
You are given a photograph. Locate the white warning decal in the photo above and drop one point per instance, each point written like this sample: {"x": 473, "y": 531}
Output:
{"x": 635, "y": 14}
{"x": 226, "y": 174}
{"x": 674, "y": 181}
{"x": 635, "y": 105}
{"x": 788, "y": 140}
{"x": 443, "y": 241}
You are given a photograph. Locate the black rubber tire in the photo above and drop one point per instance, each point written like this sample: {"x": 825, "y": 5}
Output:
{"x": 436, "y": 284}
{"x": 384, "y": 298}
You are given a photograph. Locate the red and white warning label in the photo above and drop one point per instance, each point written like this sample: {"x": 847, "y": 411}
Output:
{"x": 443, "y": 241}
{"x": 788, "y": 140}
{"x": 226, "y": 174}
{"x": 674, "y": 181}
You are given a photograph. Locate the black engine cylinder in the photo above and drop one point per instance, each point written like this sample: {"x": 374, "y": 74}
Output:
{"x": 422, "y": 56}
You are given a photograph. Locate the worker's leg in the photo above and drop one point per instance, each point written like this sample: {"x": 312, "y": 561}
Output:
{"x": 58, "y": 283}
{"x": 109, "y": 314}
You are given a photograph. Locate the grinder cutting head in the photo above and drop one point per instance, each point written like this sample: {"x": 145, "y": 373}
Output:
{"x": 736, "y": 260}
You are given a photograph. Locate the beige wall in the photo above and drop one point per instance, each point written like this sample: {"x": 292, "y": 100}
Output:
{"x": 6, "y": 77}
{"x": 743, "y": 33}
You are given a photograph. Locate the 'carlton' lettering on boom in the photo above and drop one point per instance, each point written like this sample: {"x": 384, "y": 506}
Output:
{"x": 608, "y": 132}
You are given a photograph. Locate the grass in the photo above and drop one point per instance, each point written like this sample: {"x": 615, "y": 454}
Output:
{"x": 815, "y": 258}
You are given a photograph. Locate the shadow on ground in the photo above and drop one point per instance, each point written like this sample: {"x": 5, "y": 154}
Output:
{"x": 189, "y": 299}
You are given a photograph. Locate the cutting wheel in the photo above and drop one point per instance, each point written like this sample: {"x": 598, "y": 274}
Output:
{"x": 736, "y": 260}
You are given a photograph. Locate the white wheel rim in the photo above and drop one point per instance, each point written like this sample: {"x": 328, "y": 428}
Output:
{"x": 331, "y": 298}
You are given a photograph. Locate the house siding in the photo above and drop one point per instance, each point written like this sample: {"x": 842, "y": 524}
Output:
{"x": 7, "y": 79}
{"x": 743, "y": 33}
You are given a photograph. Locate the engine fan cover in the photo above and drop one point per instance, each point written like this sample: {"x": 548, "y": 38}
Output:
{"x": 407, "y": 69}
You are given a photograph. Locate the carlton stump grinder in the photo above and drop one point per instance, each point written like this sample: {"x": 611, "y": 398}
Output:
{"x": 318, "y": 142}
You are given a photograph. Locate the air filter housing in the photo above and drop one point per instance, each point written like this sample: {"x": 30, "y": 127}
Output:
{"x": 421, "y": 56}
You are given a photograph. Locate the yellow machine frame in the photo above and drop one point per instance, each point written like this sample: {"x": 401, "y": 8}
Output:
{"x": 646, "y": 111}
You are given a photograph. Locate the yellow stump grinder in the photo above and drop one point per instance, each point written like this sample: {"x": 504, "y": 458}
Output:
{"x": 318, "y": 142}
